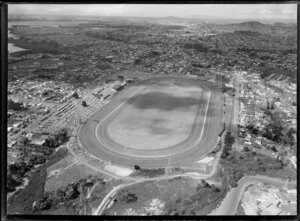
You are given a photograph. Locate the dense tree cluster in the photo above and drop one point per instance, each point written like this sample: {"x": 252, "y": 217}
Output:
{"x": 57, "y": 138}
{"x": 12, "y": 182}
{"x": 127, "y": 197}
{"x": 228, "y": 142}
{"x": 276, "y": 130}
{"x": 75, "y": 95}
{"x": 69, "y": 194}
{"x": 16, "y": 106}
{"x": 84, "y": 104}
{"x": 31, "y": 155}
{"x": 252, "y": 129}
{"x": 61, "y": 195}
{"x": 205, "y": 198}
{"x": 16, "y": 172}
{"x": 237, "y": 164}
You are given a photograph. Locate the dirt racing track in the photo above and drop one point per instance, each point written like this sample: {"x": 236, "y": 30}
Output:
{"x": 155, "y": 123}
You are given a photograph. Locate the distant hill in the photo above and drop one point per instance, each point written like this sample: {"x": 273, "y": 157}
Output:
{"x": 171, "y": 18}
{"x": 250, "y": 25}
{"x": 253, "y": 26}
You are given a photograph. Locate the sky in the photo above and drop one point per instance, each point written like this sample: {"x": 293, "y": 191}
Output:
{"x": 231, "y": 11}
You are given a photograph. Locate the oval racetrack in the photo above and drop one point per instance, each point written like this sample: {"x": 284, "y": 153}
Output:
{"x": 126, "y": 131}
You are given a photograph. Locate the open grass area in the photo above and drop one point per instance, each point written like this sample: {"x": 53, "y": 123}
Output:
{"x": 157, "y": 118}
{"x": 178, "y": 196}
{"x": 61, "y": 165}
{"x": 71, "y": 174}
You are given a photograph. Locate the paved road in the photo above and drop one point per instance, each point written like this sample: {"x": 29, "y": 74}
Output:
{"x": 235, "y": 108}
{"x": 230, "y": 203}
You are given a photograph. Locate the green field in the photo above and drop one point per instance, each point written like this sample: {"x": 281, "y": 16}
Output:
{"x": 159, "y": 117}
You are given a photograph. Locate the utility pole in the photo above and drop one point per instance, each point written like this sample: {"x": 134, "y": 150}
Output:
{"x": 168, "y": 166}
{"x": 285, "y": 185}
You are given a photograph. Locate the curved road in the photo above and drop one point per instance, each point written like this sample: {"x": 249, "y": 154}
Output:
{"x": 203, "y": 136}
{"x": 230, "y": 203}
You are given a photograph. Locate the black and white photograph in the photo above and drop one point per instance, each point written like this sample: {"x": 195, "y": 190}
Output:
{"x": 151, "y": 109}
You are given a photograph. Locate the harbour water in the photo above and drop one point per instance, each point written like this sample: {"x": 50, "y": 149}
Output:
{"x": 11, "y": 47}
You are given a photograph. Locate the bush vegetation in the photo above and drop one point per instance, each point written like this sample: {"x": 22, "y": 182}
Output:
{"x": 148, "y": 172}
{"x": 202, "y": 202}
{"x": 32, "y": 155}
{"x": 228, "y": 142}
{"x": 125, "y": 196}
{"x": 16, "y": 106}
{"x": 238, "y": 164}
{"x": 22, "y": 200}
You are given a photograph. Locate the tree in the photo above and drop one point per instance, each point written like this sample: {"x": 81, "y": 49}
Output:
{"x": 246, "y": 149}
{"x": 61, "y": 135}
{"x": 228, "y": 141}
{"x": 121, "y": 78}
{"x": 265, "y": 73}
{"x": 75, "y": 95}
{"x": 137, "y": 167}
{"x": 84, "y": 103}
{"x": 291, "y": 131}
{"x": 39, "y": 159}
{"x": 224, "y": 155}
{"x": 59, "y": 196}
{"x": 17, "y": 106}
{"x": 204, "y": 184}
{"x": 45, "y": 150}
{"x": 127, "y": 197}
{"x": 215, "y": 189}
{"x": 12, "y": 183}
{"x": 19, "y": 168}
{"x": 272, "y": 106}
{"x": 57, "y": 138}
{"x": 23, "y": 140}
{"x": 273, "y": 148}
{"x": 31, "y": 160}
{"x": 131, "y": 198}
{"x": 268, "y": 134}
{"x": 252, "y": 129}
{"x": 72, "y": 192}
{"x": 43, "y": 204}
{"x": 268, "y": 105}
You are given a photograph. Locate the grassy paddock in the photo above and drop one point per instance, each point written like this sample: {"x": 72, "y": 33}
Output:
{"x": 72, "y": 174}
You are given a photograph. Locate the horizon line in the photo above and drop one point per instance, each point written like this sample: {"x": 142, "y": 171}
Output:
{"x": 191, "y": 17}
